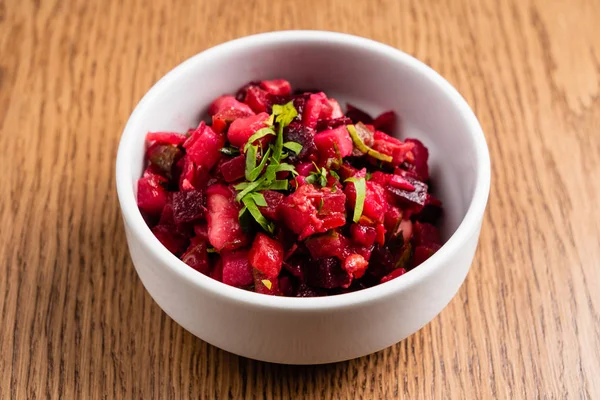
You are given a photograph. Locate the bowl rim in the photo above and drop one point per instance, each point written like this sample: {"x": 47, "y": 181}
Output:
{"x": 467, "y": 228}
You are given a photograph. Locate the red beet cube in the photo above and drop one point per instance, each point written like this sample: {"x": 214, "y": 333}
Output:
{"x": 334, "y": 143}
{"x": 277, "y": 87}
{"x": 237, "y": 270}
{"x": 414, "y": 199}
{"x": 242, "y": 128}
{"x": 336, "y": 110}
{"x": 274, "y": 200}
{"x": 363, "y": 235}
{"x": 421, "y": 157}
{"x": 257, "y": 99}
{"x": 392, "y": 219}
{"x": 331, "y": 244}
{"x": 386, "y": 122}
{"x": 355, "y": 265}
{"x": 228, "y": 102}
{"x": 234, "y": 168}
{"x": 314, "y": 108}
{"x": 217, "y": 272}
{"x": 327, "y": 273}
{"x": 392, "y": 275}
{"x": 201, "y": 231}
{"x": 398, "y": 150}
{"x": 169, "y": 236}
{"x": 203, "y": 146}
{"x": 151, "y": 195}
{"x": 196, "y": 256}
{"x": 357, "y": 115}
{"x": 188, "y": 206}
{"x": 265, "y": 285}
{"x": 425, "y": 234}
{"x": 166, "y": 138}
{"x": 422, "y": 253}
{"x": 301, "y": 213}
{"x": 266, "y": 255}
{"x": 375, "y": 204}
{"x": 224, "y": 230}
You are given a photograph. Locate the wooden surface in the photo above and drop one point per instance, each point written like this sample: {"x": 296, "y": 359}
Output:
{"x": 75, "y": 321}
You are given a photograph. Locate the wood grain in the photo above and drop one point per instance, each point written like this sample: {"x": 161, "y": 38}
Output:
{"x": 75, "y": 321}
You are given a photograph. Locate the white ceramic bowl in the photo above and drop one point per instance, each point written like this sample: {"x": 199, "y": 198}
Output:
{"x": 314, "y": 330}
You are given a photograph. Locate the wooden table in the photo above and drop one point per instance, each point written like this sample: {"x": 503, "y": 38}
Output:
{"x": 75, "y": 320}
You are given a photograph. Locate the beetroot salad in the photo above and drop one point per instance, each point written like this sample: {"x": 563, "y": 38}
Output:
{"x": 282, "y": 193}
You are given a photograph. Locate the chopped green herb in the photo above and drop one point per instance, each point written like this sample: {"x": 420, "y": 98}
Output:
{"x": 258, "y": 135}
{"x": 255, "y": 172}
{"x": 361, "y": 193}
{"x": 293, "y": 146}
{"x": 256, "y": 214}
{"x": 321, "y": 204}
{"x": 211, "y": 249}
{"x": 280, "y": 184}
{"x": 258, "y": 198}
{"x": 250, "y": 161}
{"x": 362, "y": 147}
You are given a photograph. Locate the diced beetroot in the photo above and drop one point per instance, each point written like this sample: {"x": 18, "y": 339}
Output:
{"x": 166, "y": 216}
{"x": 227, "y": 103}
{"x": 201, "y": 231}
{"x": 242, "y": 128}
{"x": 336, "y": 110}
{"x": 299, "y": 210}
{"x": 425, "y": 234}
{"x": 385, "y": 122}
{"x": 196, "y": 256}
{"x": 314, "y": 109}
{"x": 335, "y": 143}
{"x": 278, "y": 87}
{"x": 257, "y": 99}
{"x": 363, "y": 235}
{"x": 398, "y": 150}
{"x": 422, "y": 253}
{"x": 151, "y": 195}
{"x": 421, "y": 157}
{"x": 295, "y": 266}
{"x": 217, "y": 271}
{"x": 265, "y": 285}
{"x": 187, "y": 206}
{"x": 234, "y": 168}
{"x": 296, "y": 132}
{"x": 357, "y": 115}
{"x": 306, "y": 291}
{"x": 400, "y": 182}
{"x": 324, "y": 124}
{"x": 432, "y": 211}
{"x": 375, "y": 204}
{"x": 305, "y": 168}
{"x": 266, "y": 255}
{"x": 327, "y": 273}
{"x": 355, "y": 265}
{"x": 392, "y": 219}
{"x": 274, "y": 200}
{"x": 203, "y": 146}
{"x": 170, "y": 238}
{"x": 330, "y": 244}
{"x": 223, "y": 119}
{"x": 237, "y": 270}
{"x": 224, "y": 230}
{"x": 347, "y": 171}
{"x": 166, "y": 138}
{"x": 285, "y": 286}
{"x": 381, "y": 178}
{"x": 415, "y": 199}
{"x": 392, "y": 275}
{"x": 192, "y": 176}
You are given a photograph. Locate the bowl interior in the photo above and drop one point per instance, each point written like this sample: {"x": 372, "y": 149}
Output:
{"x": 367, "y": 76}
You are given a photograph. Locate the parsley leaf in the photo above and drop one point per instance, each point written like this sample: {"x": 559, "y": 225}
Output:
{"x": 255, "y": 172}
{"x": 258, "y": 135}
{"x": 230, "y": 151}
{"x": 250, "y": 204}
{"x": 361, "y": 193}
{"x": 362, "y": 147}
{"x": 293, "y": 146}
